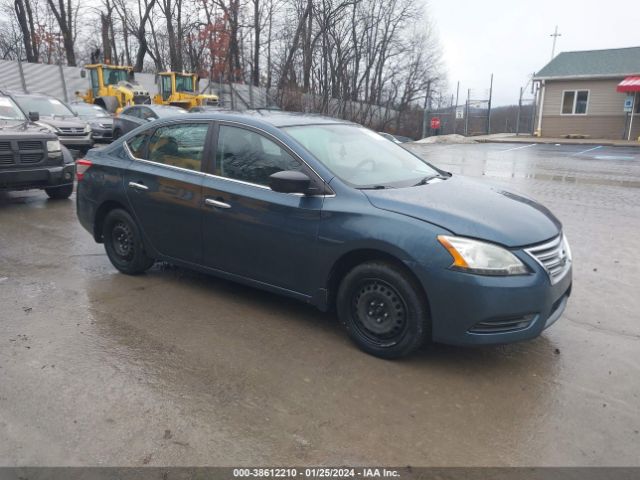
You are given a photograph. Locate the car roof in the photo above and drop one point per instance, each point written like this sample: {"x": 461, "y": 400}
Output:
{"x": 276, "y": 118}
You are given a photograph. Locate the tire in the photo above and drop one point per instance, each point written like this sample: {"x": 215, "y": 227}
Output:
{"x": 383, "y": 310}
{"x": 60, "y": 193}
{"x": 117, "y": 133}
{"x": 123, "y": 243}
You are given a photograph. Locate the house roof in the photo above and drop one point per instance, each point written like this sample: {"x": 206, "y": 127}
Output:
{"x": 615, "y": 62}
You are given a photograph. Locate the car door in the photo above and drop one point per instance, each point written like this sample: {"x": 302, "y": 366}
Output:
{"x": 250, "y": 230}
{"x": 129, "y": 119}
{"x": 164, "y": 187}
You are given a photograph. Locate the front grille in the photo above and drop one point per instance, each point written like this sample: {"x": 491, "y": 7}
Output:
{"x": 141, "y": 99}
{"x": 30, "y": 157}
{"x": 22, "y": 152}
{"x": 503, "y": 325}
{"x": 71, "y": 130}
{"x": 30, "y": 145}
{"x": 554, "y": 256}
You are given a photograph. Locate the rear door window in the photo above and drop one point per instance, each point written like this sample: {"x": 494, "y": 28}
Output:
{"x": 137, "y": 145}
{"x": 181, "y": 145}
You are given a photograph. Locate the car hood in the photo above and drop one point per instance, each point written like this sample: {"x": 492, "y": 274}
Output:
{"x": 472, "y": 209}
{"x": 57, "y": 122}
{"x": 24, "y": 128}
{"x": 101, "y": 120}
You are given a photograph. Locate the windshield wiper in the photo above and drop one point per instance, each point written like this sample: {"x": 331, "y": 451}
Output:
{"x": 428, "y": 178}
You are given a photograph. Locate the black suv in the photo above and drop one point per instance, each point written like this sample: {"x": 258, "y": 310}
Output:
{"x": 31, "y": 156}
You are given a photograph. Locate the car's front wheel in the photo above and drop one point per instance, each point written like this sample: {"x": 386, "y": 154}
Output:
{"x": 123, "y": 243}
{"x": 383, "y": 309}
{"x": 59, "y": 193}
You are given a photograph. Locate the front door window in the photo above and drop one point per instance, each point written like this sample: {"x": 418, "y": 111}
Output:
{"x": 248, "y": 156}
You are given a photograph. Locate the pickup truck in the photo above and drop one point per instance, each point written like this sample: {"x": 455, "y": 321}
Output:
{"x": 31, "y": 156}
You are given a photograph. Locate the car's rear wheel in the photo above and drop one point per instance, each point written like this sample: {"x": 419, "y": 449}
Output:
{"x": 383, "y": 309}
{"x": 59, "y": 193}
{"x": 123, "y": 243}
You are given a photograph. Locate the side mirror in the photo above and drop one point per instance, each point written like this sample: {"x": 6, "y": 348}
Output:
{"x": 289, "y": 181}
{"x": 83, "y": 73}
{"x": 34, "y": 116}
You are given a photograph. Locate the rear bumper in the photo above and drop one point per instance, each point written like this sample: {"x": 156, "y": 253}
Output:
{"x": 469, "y": 309}
{"x": 42, "y": 177}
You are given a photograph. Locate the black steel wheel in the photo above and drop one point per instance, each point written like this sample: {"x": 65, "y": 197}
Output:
{"x": 123, "y": 243}
{"x": 383, "y": 309}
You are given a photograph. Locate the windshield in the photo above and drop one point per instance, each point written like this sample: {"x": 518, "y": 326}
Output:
{"x": 9, "y": 110}
{"x": 184, "y": 83}
{"x": 45, "y": 106}
{"x": 87, "y": 110}
{"x": 360, "y": 157}
{"x": 112, "y": 76}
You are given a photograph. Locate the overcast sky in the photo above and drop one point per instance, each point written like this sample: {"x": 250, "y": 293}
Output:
{"x": 511, "y": 38}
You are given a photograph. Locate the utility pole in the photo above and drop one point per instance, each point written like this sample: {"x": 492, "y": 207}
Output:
{"x": 519, "y": 110}
{"x": 555, "y": 36}
{"x": 455, "y": 113}
{"x": 466, "y": 116}
{"x": 489, "y": 107}
{"x": 426, "y": 109}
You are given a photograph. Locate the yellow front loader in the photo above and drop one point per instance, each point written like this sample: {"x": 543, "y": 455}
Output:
{"x": 113, "y": 87}
{"x": 181, "y": 90}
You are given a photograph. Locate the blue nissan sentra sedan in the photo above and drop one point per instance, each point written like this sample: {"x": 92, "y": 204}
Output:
{"x": 333, "y": 214}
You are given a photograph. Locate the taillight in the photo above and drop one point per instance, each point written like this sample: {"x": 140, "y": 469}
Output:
{"x": 82, "y": 165}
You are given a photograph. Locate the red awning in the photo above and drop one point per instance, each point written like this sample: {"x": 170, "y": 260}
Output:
{"x": 629, "y": 84}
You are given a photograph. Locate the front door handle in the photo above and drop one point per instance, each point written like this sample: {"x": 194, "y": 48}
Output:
{"x": 138, "y": 186}
{"x": 216, "y": 203}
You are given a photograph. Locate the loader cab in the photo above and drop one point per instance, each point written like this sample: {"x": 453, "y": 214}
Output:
{"x": 185, "y": 83}
{"x": 166, "y": 86}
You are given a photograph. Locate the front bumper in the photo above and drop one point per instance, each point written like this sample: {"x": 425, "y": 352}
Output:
{"x": 469, "y": 309}
{"x": 37, "y": 177}
{"x": 76, "y": 142}
{"x": 102, "y": 134}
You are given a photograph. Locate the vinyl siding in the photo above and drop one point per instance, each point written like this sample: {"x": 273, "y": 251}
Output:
{"x": 604, "y": 119}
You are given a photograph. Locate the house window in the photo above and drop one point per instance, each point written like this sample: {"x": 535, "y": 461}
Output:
{"x": 574, "y": 102}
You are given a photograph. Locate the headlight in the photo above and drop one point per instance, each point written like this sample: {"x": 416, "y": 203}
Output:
{"x": 482, "y": 258}
{"x": 53, "y": 146}
{"x": 567, "y": 248}
{"x": 87, "y": 128}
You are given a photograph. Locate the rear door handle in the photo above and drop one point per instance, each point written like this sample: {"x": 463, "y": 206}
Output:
{"x": 216, "y": 203}
{"x": 138, "y": 186}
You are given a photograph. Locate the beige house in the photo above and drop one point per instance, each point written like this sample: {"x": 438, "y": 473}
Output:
{"x": 590, "y": 93}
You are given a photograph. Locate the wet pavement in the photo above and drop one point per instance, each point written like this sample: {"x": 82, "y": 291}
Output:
{"x": 177, "y": 368}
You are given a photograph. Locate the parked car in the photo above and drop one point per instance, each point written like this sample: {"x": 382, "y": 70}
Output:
{"x": 73, "y": 132}
{"x": 396, "y": 138}
{"x": 335, "y": 215}
{"x": 31, "y": 155}
{"x": 134, "y": 116}
{"x": 390, "y": 137}
{"x": 207, "y": 108}
{"x": 100, "y": 121}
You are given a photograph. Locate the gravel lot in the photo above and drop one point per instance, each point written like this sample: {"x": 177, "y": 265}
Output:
{"x": 177, "y": 368}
